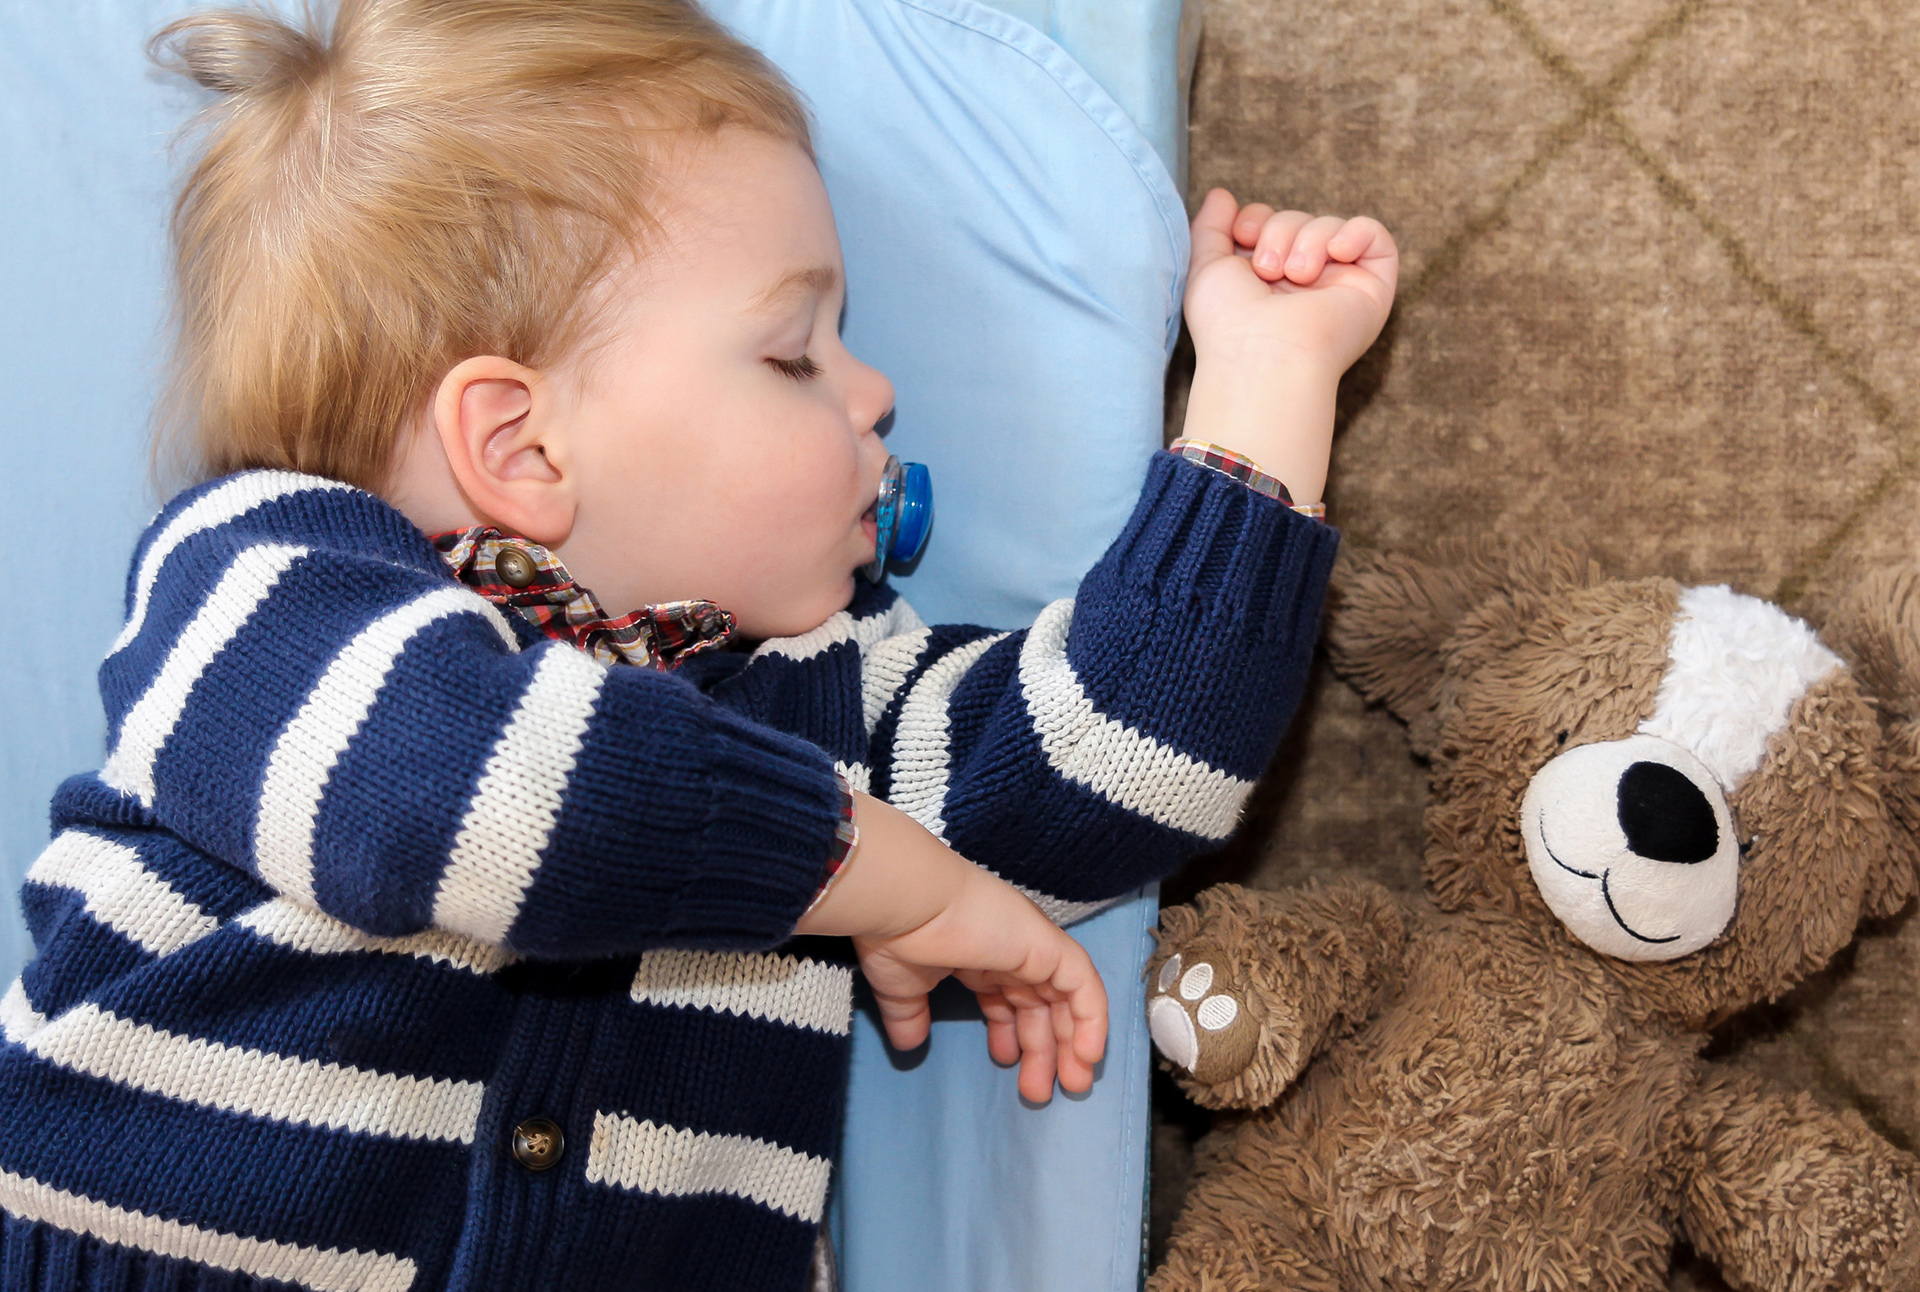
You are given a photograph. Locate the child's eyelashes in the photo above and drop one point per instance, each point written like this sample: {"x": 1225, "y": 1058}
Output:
{"x": 801, "y": 369}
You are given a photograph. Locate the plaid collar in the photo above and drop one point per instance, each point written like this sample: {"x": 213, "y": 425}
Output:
{"x": 529, "y": 580}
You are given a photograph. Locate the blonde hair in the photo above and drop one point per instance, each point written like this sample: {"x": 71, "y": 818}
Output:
{"x": 410, "y": 184}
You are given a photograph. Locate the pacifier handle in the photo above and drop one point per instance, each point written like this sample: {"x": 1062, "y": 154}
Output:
{"x": 902, "y": 515}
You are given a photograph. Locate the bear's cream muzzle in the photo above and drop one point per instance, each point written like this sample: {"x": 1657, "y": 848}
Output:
{"x": 1632, "y": 845}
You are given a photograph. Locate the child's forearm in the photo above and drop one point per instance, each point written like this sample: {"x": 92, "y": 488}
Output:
{"x": 561, "y": 809}
{"x": 1277, "y": 412}
{"x": 1120, "y": 734}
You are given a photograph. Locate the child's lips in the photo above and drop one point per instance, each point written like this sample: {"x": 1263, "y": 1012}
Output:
{"x": 869, "y": 523}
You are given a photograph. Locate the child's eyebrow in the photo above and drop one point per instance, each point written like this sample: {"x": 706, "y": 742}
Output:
{"x": 820, "y": 279}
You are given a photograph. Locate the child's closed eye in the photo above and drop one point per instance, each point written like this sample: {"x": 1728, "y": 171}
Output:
{"x": 801, "y": 369}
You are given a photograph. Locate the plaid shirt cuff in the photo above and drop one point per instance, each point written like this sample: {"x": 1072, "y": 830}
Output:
{"x": 846, "y": 836}
{"x": 1229, "y": 463}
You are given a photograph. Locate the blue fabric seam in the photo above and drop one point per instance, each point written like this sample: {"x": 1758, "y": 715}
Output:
{"x": 1093, "y": 100}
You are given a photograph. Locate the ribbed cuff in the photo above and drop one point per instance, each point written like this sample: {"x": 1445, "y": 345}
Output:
{"x": 773, "y": 821}
{"x": 1232, "y": 559}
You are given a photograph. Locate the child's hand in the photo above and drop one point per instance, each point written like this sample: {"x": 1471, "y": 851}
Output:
{"x": 1318, "y": 286}
{"x": 1279, "y": 304}
{"x": 1044, "y": 1002}
{"x": 918, "y": 911}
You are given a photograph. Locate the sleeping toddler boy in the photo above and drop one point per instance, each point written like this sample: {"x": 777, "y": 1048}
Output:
{"x": 502, "y": 746}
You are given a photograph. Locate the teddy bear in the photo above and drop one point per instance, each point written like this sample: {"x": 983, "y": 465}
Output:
{"x": 1652, "y": 806}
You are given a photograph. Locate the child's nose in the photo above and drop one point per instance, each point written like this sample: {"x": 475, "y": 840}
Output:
{"x": 869, "y": 396}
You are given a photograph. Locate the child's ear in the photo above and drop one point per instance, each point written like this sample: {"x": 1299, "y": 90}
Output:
{"x": 494, "y": 419}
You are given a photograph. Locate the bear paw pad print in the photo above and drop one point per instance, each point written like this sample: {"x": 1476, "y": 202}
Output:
{"x": 1208, "y": 1032}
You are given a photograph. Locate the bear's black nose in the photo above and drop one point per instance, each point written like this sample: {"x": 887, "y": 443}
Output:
{"x": 1665, "y": 816}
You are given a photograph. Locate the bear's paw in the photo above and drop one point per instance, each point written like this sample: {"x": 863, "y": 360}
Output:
{"x": 1198, "y": 1021}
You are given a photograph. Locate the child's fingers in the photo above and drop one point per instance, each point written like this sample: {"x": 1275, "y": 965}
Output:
{"x": 1075, "y": 1073}
{"x": 1002, "y": 1041}
{"x": 1023, "y": 1024}
{"x": 1038, "y": 1051}
{"x": 1090, "y": 1040}
{"x": 1213, "y": 228}
{"x": 1247, "y": 225}
{"x": 1001, "y": 947}
{"x": 907, "y": 1019}
{"x": 1275, "y": 244}
{"x": 1085, "y": 1000}
{"x": 1365, "y": 242}
{"x": 1073, "y": 1002}
{"x": 1309, "y": 254}
{"x": 1359, "y": 238}
{"x": 1041, "y": 1039}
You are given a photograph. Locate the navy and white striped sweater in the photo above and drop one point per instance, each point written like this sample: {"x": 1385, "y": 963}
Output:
{"x": 372, "y": 874}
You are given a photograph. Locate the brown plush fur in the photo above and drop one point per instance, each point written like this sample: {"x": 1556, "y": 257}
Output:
{"x": 1878, "y": 629}
{"x": 1468, "y": 1097}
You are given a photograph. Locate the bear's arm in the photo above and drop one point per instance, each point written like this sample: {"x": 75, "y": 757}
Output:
{"x": 1246, "y": 987}
{"x": 1783, "y": 1193}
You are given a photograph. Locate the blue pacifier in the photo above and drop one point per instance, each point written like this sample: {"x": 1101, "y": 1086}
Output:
{"x": 901, "y": 516}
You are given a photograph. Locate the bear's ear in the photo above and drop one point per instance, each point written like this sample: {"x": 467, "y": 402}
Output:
{"x": 1877, "y": 629}
{"x": 1391, "y": 618}
{"x": 1387, "y": 618}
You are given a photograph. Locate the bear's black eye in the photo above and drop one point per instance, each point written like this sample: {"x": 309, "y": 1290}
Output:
{"x": 1560, "y": 739}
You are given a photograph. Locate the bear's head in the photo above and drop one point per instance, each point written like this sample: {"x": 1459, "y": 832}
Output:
{"x": 1686, "y": 781}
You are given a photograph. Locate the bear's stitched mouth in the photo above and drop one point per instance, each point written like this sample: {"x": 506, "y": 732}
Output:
{"x": 1614, "y": 911}
{"x": 1606, "y": 889}
{"x": 1540, "y": 828}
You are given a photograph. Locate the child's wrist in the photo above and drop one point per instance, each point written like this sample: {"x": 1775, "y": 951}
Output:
{"x": 1279, "y": 415}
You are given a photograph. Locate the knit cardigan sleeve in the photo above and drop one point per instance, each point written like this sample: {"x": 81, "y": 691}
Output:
{"x": 1122, "y": 732}
{"x": 301, "y": 692}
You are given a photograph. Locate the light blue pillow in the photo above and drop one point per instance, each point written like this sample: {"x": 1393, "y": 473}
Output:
{"x": 84, "y": 129}
{"x": 1139, "y": 51}
{"x": 1015, "y": 251}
